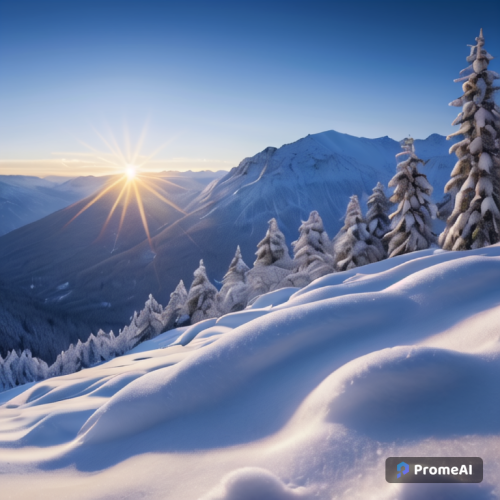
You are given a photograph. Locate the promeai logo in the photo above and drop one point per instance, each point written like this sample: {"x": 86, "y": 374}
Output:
{"x": 434, "y": 470}
{"x": 404, "y": 468}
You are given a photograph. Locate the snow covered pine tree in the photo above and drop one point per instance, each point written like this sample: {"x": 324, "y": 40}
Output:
{"x": 354, "y": 246}
{"x": 312, "y": 251}
{"x": 234, "y": 292}
{"x": 273, "y": 262}
{"x": 412, "y": 221}
{"x": 475, "y": 220}
{"x": 377, "y": 218}
{"x": 173, "y": 310}
{"x": 201, "y": 301}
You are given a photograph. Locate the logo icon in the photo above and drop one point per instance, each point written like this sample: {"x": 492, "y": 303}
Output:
{"x": 405, "y": 467}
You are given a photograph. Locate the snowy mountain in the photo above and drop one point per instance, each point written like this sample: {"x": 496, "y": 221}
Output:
{"x": 319, "y": 172}
{"x": 303, "y": 395}
{"x": 25, "y": 199}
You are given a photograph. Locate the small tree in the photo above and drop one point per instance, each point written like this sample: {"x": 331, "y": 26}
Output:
{"x": 90, "y": 352}
{"x": 272, "y": 249}
{"x": 201, "y": 300}
{"x": 272, "y": 265}
{"x": 475, "y": 180}
{"x": 411, "y": 227}
{"x": 312, "y": 251}
{"x": 354, "y": 246}
{"x": 175, "y": 307}
{"x": 234, "y": 292}
{"x": 106, "y": 344}
{"x": 377, "y": 218}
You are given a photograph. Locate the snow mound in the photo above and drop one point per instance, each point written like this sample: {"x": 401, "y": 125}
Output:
{"x": 412, "y": 391}
{"x": 252, "y": 483}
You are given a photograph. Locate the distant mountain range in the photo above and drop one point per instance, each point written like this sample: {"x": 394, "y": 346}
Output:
{"x": 25, "y": 199}
{"x": 84, "y": 271}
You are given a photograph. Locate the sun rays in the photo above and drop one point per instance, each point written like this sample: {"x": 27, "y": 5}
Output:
{"x": 132, "y": 184}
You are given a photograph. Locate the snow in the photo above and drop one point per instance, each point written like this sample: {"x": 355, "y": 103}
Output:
{"x": 302, "y": 395}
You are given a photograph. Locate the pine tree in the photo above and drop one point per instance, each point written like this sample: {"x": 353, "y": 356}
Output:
{"x": 106, "y": 344}
{"x": 475, "y": 180}
{"x": 201, "y": 300}
{"x": 148, "y": 321}
{"x": 10, "y": 368}
{"x": 354, "y": 246}
{"x": 234, "y": 292}
{"x": 72, "y": 359}
{"x": 272, "y": 249}
{"x": 4, "y": 383}
{"x": 377, "y": 218}
{"x": 411, "y": 227}
{"x": 90, "y": 352}
{"x": 174, "y": 308}
{"x": 272, "y": 265}
{"x": 312, "y": 251}
{"x": 56, "y": 368}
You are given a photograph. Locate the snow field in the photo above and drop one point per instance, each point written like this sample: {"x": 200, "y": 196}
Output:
{"x": 302, "y": 395}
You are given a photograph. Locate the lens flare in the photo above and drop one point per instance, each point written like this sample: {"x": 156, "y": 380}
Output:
{"x": 133, "y": 184}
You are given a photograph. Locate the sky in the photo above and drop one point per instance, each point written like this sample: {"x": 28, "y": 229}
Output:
{"x": 202, "y": 85}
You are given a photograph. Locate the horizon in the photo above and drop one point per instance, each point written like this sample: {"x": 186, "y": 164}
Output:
{"x": 87, "y": 86}
{"x": 164, "y": 171}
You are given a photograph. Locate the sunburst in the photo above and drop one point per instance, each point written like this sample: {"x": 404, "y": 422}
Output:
{"x": 132, "y": 183}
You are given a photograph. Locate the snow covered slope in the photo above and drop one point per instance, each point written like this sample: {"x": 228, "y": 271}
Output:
{"x": 304, "y": 395}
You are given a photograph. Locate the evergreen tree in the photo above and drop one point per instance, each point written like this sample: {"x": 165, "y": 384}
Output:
{"x": 56, "y": 368}
{"x": 411, "y": 227}
{"x": 377, "y": 218}
{"x": 234, "y": 292}
{"x": 4, "y": 383}
{"x": 272, "y": 265}
{"x": 10, "y": 364}
{"x": 354, "y": 246}
{"x": 475, "y": 180}
{"x": 72, "y": 359}
{"x": 175, "y": 307}
{"x": 148, "y": 322}
{"x": 272, "y": 249}
{"x": 106, "y": 344}
{"x": 312, "y": 251}
{"x": 201, "y": 300}
{"x": 90, "y": 352}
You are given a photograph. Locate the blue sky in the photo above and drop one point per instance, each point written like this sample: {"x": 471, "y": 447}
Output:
{"x": 219, "y": 81}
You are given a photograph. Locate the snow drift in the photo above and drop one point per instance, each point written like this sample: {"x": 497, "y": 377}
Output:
{"x": 302, "y": 395}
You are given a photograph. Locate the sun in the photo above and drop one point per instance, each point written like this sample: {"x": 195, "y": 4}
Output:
{"x": 131, "y": 171}
{"x": 132, "y": 182}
